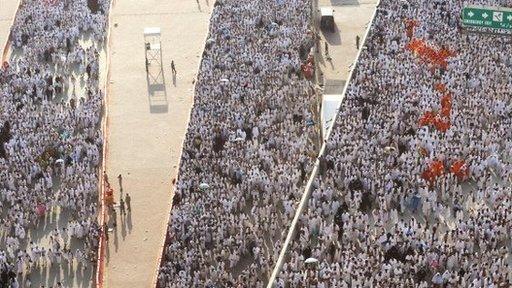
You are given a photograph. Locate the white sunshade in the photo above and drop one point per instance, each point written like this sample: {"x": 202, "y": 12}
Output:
{"x": 326, "y": 11}
{"x": 152, "y": 31}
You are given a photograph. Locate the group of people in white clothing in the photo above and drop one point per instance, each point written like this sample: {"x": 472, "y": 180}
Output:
{"x": 249, "y": 147}
{"x": 414, "y": 189}
{"x": 50, "y": 140}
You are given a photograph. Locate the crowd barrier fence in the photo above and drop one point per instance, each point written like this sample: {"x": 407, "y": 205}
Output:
{"x": 309, "y": 188}
{"x": 103, "y": 245}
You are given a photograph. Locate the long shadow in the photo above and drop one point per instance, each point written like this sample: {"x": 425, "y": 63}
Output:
{"x": 333, "y": 38}
{"x": 334, "y": 86}
{"x": 107, "y": 250}
{"x": 129, "y": 221}
{"x": 157, "y": 91}
{"x": 332, "y": 64}
{"x": 123, "y": 226}
{"x": 345, "y": 2}
{"x": 116, "y": 239}
{"x": 78, "y": 275}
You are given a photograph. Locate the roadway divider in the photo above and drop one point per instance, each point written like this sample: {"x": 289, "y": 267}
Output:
{"x": 307, "y": 191}
{"x": 102, "y": 246}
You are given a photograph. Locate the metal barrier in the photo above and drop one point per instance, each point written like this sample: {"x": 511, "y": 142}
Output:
{"x": 314, "y": 173}
{"x": 100, "y": 263}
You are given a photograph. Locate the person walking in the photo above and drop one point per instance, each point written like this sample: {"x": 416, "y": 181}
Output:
{"x": 357, "y": 41}
{"x": 173, "y": 68}
{"x": 120, "y": 179}
{"x": 128, "y": 200}
{"x": 105, "y": 178}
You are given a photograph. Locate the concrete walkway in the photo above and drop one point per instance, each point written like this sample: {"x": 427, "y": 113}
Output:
{"x": 352, "y": 17}
{"x": 7, "y": 10}
{"x": 147, "y": 126}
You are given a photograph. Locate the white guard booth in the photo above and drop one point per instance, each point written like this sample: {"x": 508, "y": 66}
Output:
{"x": 153, "y": 50}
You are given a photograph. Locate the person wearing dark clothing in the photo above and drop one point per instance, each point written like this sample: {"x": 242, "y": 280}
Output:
{"x": 120, "y": 179}
{"x": 173, "y": 68}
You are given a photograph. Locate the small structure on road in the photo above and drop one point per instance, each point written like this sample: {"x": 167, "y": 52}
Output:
{"x": 153, "y": 53}
{"x": 327, "y": 19}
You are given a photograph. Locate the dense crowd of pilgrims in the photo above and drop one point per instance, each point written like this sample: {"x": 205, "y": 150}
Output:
{"x": 414, "y": 189}
{"x": 248, "y": 149}
{"x": 50, "y": 139}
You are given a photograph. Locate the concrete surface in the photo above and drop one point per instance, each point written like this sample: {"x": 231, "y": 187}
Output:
{"x": 147, "y": 126}
{"x": 7, "y": 10}
{"x": 352, "y": 17}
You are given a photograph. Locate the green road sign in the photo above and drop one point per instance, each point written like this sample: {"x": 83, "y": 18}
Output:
{"x": 487, "y": 17}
